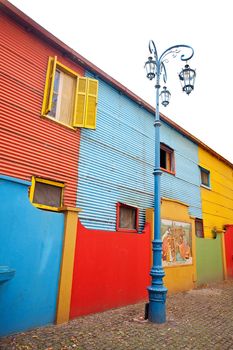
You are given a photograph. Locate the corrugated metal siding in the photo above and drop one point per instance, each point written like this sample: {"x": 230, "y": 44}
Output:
{"x": 31, "y": 145}
{"x": 116, "y": 163}
{"x": 185, "y": 186}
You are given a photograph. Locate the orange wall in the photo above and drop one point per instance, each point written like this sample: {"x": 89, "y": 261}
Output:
{"x": 30, "y": 144}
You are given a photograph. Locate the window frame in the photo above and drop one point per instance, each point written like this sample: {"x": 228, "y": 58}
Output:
{"x": 121, "y": 229}
{"x": 48, "y": 182}
{"x": 200, "y": 221}
{"x": 58, "y": 115}
{"x": 49, "y": 88}
{"x": 87, "y": 119}
{"x": 171, "y": 153}
{"x": 206, "y": 171}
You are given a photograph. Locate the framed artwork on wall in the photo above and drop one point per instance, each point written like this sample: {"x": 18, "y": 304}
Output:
{"x": 176, "y": 239}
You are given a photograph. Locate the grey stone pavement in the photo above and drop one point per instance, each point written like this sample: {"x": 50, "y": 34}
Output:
{"x": 198, "y": 319}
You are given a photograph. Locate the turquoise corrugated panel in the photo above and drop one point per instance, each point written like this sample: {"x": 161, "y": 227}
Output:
{"x": 116, "y": 163}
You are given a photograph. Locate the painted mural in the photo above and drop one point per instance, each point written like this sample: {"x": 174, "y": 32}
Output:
{"x": 177, "y": 242}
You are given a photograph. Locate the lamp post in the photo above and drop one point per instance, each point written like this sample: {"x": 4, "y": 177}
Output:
{"x": 155, "y": 67}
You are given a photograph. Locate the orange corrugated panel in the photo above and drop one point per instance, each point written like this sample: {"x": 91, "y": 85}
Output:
{"x": 18, "y": 70}
{"x": 21, "y": 126}
{"x": 30, "y": 144}
{"x": 15, "y": 92}
{"x": 24, "y": 145}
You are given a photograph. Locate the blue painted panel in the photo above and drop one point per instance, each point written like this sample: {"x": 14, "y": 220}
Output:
{"x": 116, "y": 162}
{"x": 31, "y": 243}
{"x": 185, "y": 185}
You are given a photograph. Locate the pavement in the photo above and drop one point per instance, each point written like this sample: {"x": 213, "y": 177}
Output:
{"x": 197, "y": 319}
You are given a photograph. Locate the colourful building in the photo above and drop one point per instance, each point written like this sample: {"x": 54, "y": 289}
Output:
{"x": 39, "y": 154}
{"x": 214, "y": 261}
{"x": 76, "y": 185}
{"x": 115, "y": 179}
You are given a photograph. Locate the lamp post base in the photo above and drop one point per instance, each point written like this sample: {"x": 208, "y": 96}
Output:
{"x": 157, "y": 304}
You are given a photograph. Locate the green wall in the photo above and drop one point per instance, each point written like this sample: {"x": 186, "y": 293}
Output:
{"x": 209, "y": 260}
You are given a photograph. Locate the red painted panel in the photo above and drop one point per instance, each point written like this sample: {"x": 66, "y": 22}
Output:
{"x": 29, "y": 144}
{"x": 229, "y": 250}
{"x": 111, "y": 269}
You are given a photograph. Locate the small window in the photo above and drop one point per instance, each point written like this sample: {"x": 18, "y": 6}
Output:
{"x": 205, "y": 177}
{"x": 199, "y": 230}
{"x": 167, "y": 158}
{"x": 69, "y": 98}
{"x": 127, "y": 218}
{"x": 46, "y": 194}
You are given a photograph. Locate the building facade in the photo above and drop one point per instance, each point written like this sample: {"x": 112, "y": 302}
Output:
{"x": 215, "y": 251}
{"x": 76, "y": 178}
{"x": 39, "y": 153}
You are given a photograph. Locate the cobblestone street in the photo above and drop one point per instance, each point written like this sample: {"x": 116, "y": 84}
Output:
{"x": 198, "y": 319}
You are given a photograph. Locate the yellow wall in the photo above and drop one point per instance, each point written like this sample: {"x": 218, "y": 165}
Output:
{"x": 67, "y": 264}
{"x": 182, "y": 277}
{"x": 217, "y": 202}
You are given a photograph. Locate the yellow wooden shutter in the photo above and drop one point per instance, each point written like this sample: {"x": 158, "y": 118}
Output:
{"x": 91, "y": 104}
{"x": 49, "y": 85}
{"x": 80, "y": 102}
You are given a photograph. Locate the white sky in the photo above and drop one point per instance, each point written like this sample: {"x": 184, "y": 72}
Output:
{"x": 114, "y": 36}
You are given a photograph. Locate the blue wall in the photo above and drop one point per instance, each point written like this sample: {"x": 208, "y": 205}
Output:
{"x": 31, "y": 243}
{"x": 116, "y": 162}
{"x": 185, "y": 185}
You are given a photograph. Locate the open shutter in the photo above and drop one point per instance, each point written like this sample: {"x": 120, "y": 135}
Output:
{"x": 91, "y": 104}
{"x": 49, "y": 85}
{"x": 80, "y": 102}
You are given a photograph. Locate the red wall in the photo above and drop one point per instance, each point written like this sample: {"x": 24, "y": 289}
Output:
{"x": 29, "y": 144}
{"x": 111, "y": 269}
{"x": 229, "y": 250}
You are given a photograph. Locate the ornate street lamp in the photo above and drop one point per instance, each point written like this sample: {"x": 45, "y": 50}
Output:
{"x": 165, "y": 96}
{"x": 150, "y": 66}
{"x": 187, "y": 77}
{"x": 155, "y": 67}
